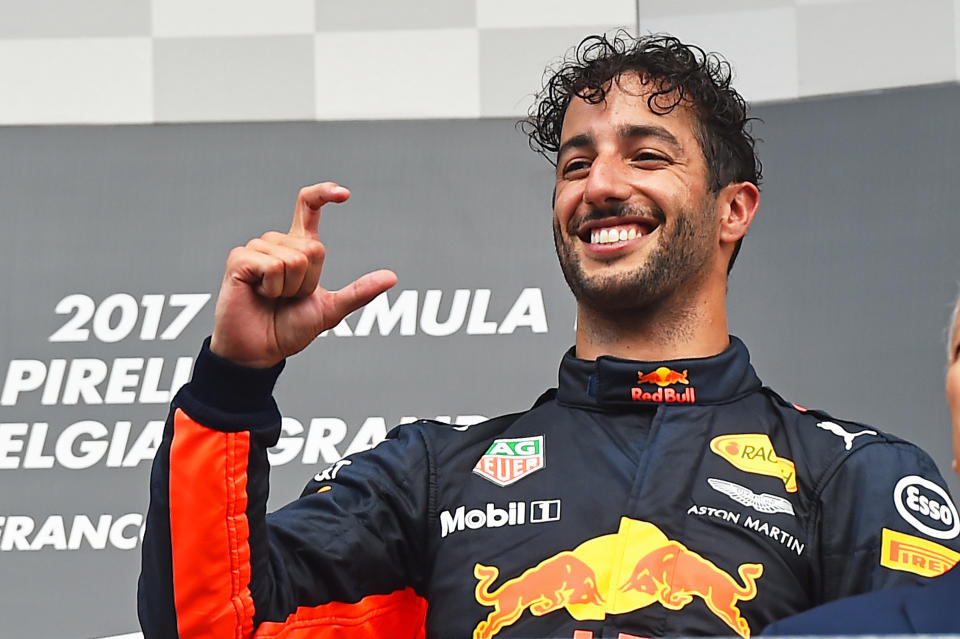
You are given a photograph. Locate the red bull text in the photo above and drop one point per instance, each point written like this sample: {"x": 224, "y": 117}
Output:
{"x": 663, "y": 377}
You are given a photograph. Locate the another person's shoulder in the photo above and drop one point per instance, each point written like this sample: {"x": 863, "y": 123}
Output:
{"x": 928, "y": 606}
{"x": 871, "y": 613}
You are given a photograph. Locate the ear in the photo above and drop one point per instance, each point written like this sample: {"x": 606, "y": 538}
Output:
{"x": 738, "y": 203}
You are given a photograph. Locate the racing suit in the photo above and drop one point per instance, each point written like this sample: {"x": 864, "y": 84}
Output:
{"x": 636, "y": 499}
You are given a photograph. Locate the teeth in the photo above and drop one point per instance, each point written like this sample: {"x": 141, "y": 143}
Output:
{"x": 614, "y": 234}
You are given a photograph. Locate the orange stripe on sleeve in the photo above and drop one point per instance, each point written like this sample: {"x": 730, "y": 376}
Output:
{"x": 209, "y": 531}
{"x": 399, "y": 615}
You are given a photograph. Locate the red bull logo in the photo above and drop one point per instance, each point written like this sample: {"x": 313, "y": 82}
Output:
{"x": 554, "y": 583}
{"x": 584, "y": 582}
{"x": 675, "y": 575}
{"x": 663, "y": 377}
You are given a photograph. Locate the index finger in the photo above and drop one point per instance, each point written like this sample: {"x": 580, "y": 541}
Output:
{"x": 306, "y": 215}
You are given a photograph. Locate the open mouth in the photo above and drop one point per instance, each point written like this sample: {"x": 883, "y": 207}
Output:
{"x": 601, "y": 233}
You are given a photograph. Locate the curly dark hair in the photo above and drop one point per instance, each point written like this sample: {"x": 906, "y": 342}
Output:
{"x": 679, "y": 73}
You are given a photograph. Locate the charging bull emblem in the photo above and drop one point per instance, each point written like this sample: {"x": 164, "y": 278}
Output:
{"x": 675, "y": 575}
{"x": 554, "y": 583}
{"x": 589, "y": 583}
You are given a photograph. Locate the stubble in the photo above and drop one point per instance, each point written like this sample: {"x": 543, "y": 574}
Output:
{"x": 677, "y": 262}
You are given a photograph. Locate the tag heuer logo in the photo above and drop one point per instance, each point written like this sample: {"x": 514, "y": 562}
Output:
{"x": 508, "y": 460}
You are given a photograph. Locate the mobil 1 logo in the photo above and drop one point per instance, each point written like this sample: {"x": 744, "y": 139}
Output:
{"x": 927, "y": 507}
{"x": 516, "y": 513}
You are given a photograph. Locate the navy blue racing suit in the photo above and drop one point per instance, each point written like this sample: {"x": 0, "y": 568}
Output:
{"x": 637, "y": 499}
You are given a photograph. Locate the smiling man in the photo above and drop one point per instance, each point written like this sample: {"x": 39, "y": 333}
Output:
{"x": 660, "y": 489}
{"x": 644, "y": 240}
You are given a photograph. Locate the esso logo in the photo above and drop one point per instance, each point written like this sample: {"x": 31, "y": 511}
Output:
{"x": 927, "y": 507}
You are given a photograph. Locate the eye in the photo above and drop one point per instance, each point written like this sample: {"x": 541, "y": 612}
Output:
{"x": 650, "y": 159}
{"x": 577, "y": 167}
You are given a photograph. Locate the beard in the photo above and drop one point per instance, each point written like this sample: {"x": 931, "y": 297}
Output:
{"x": 678, "y": 259}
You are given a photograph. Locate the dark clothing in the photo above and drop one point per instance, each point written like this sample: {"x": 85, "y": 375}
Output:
{"x": 664, "y": 498}
{"x": 929, "y": 607}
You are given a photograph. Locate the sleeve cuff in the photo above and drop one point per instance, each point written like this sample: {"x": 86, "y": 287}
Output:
{"x": 231, "y": 388}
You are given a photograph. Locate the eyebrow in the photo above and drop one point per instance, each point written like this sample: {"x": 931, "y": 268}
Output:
{"x": 624, "y": 132}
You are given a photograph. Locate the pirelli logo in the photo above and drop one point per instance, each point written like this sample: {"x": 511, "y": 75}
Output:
{"x": 923, "y": 557}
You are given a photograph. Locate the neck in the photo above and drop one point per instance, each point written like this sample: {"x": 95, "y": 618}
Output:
{"x": 679, "y": 330}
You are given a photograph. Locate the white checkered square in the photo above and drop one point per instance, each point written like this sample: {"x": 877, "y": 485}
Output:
{"x": 91, "y": 80}
{"x": 397, "y": 74}
{"x": 856, "y": 46}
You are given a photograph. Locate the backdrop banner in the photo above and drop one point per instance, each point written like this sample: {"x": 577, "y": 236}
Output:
{"x": 114, "y": 240}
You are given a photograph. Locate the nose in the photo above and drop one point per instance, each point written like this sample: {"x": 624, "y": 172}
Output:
{"x": 606, "y": 182}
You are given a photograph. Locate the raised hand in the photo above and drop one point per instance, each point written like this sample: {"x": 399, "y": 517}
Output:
{"x": 271, "y": 305}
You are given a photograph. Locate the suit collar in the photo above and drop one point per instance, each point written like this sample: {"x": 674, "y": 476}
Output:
{"x": 612, "y": 382}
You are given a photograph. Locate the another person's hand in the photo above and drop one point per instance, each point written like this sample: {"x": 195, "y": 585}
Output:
{"x": 271, "y": 305}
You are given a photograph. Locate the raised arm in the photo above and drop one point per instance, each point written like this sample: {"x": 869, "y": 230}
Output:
{"x": 213, "y": 565}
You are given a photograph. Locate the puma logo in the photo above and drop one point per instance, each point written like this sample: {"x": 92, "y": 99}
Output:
{"x": 839, "y": 431}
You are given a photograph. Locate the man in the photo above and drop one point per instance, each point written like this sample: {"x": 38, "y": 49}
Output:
{"x": 659, "y": 490}
{"x": 928, "y": 607}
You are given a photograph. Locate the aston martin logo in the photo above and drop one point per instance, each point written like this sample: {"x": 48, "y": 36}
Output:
{"x": 764, "y": 502}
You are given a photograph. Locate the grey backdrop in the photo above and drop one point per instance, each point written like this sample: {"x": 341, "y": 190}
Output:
{"x": 842, "y": 289}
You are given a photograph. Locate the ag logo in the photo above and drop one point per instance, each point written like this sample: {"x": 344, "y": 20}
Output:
{"x": 927, "y": 507}
{"x": 509, "y": 460}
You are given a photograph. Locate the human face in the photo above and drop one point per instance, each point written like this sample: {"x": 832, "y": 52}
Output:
{"x": 640, "y": 177}
{"x": 953, "y": 389}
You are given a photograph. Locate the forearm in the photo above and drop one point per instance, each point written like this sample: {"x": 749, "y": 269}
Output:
{"x": 208, "y": 496}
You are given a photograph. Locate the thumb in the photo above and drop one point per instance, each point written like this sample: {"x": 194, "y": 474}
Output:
{"x": 359, "y": 293}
